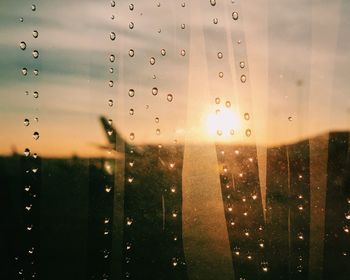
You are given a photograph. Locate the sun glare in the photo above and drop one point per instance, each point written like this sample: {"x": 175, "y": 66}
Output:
{"x": 223, "y": 123}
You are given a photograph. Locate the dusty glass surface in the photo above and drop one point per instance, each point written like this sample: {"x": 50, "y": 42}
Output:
{"x": 175, "y": 139}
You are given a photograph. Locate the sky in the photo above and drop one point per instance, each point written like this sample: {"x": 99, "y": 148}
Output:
{"x": 293, "y": 57}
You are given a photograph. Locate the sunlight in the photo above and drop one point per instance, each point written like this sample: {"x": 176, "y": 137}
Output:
{"x": 224, "y": 123}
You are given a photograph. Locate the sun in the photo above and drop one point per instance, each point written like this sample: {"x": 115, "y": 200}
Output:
{"x": 224, "y": 123}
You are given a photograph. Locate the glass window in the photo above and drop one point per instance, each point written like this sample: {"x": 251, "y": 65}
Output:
{"x": 175, "y": 139}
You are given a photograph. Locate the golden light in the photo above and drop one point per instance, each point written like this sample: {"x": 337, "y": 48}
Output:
{"x": 223, "y": 123}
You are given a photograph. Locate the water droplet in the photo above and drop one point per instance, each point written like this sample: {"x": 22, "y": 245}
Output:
{"x": 110, "y": 102}
{"x": 111, "y": 70}
{"x": 112, "y": 3}
{"x": 112, "y": 58}
{"x": 36, "y": 72}
{"x": 152, "y": 60}
{"x": 220, "y": 55}
{"x": 246, "y": 116}
{"x": 129, "y": 221}
{"x": 183, "y": 52}
{"x": 265, "y": 266}
{"x": 108, "y": 188}
{"x": 183, "y": 5}
{"x": 131, "y": 92}
{"x": 156, "y": 120}
{"x": 242, "y": 64}
{"x": 248, "y": 132}
{"x": 111, "y": 83}
{"x": 36, "y": 94}
{"x": 261, "y": 243}
{"x": 183, "y": 26}
{"x": 35, "y": 54}
{"x": 163, "y": 52}
{"x": 112, "y": 17}
{"x": 23, "y": 45}
{"x": 24, "y": 71}
{"x": 35, "y": 34}
{"x": 215, "y": 21}
{"x": 35, "y": 155}
{"x": 213, "y": 2}
{"x": 131, "y": 111}
{"x": 26, "y": 152}
{"x": 130, "y": 179}
{"x": 235, "y": 15}
{"x": 131, "y": 7}
{"x": 21, "y": 19}
{"x": 131, "y": 53}
{"x": 219, "y": 132}
{"x": 154, "y": 91}
{"x": 159, "y": 30}
{"x": 36, "y": 135}
{"x": 158, "y": 131}
{"x": 347, "y": 215}
{"x": 131, "y": 25}
{"x": 169, "y": 97}
{"x": 26, "y": 122}
{"x": 290, "y": 118}
{"x": 132, "y": 136}
{"x": 243, "y": 78}
{"x": 221, "y": 74}
{"x": 217, "y": 100}
{"x": 174, "y": 214}
{"x": 33, "y": 8}
{"x": 110, "y": 132}
{"x": 105, "y": 254}
{"x": 228, "y": 104}
{"x": 112, "y": 36}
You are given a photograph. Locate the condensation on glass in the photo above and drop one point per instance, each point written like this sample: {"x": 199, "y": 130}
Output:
{"x": 175, "y": 139}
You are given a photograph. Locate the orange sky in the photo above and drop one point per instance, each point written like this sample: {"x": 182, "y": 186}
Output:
{"x": 294, "y": 66}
